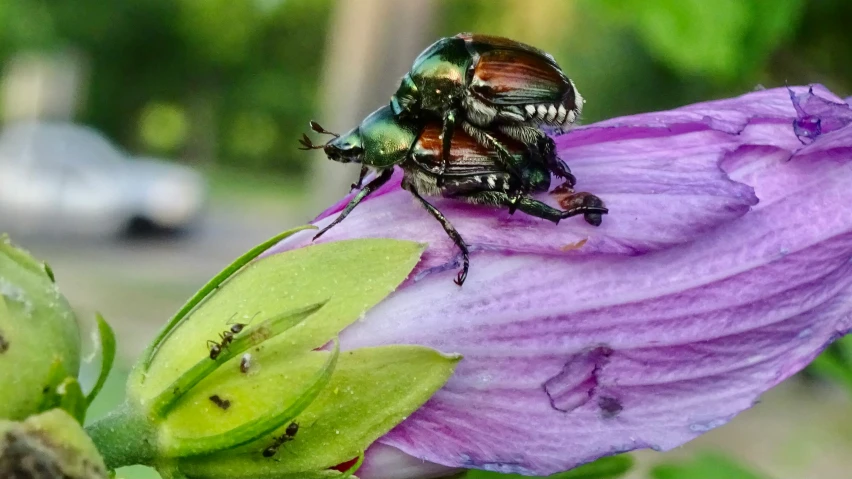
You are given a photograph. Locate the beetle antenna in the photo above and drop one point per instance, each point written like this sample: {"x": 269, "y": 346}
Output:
{"x": 307, "y": 144}
{"x": 317, "y": 128}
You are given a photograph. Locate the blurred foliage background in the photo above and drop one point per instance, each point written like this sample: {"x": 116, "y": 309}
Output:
{"x": 233, "y": 83}
{"x": 228, "y": 86}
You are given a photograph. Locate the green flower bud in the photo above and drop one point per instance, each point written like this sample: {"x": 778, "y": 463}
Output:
{"x": 248, "y": 379}
{"x": 39, "y": 337}
{"x": 47, "y": 446}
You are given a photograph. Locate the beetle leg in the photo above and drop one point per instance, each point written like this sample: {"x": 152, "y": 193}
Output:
{"x": 448, "y": 228}
{"x": 486, "y": 139}
{"x": 372, "y": 186}
{"x": 591, "y": 208}
{"x": 584, "y": 199}
{"x": 446, "y": 138}
{"x": 545, "y": 147}
{"x": 509, "y": 161}
{"x": 357, "y": 185}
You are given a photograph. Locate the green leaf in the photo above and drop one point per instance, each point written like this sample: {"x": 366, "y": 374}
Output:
{"x": 726, "y": 39}
{"x": 72, "y": 400}
{"x": 23, "y": 258}
{"x": 62, "y": 391}
{"x": 371, "y": 391}
{"x": 835, "y": 363}
{"x": 106, "y": 344}
{"x": 604, "y": 468}
{"x": 706, "y": 465}
{"x": 778, "y": 20}
{"x": 50, "y": 397}
{"x": 351, "y": 275}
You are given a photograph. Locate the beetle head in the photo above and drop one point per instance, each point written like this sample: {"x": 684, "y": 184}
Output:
{"x": 382, "y": 140}
{"x": 406, "y": 100}
{"x": 345, "y": 149}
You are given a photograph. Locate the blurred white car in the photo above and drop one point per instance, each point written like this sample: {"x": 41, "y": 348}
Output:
{"x": 69, "y": 179}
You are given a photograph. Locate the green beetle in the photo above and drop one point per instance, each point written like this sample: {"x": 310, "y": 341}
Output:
{"x": 473, "y": 174}
{"x": 487, "y": 82}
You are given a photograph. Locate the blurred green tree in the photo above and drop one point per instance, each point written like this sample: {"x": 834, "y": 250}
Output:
{"x": 233, "y": 83}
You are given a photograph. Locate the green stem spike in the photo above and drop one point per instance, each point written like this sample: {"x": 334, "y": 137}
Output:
{"x": 107, "y": 346}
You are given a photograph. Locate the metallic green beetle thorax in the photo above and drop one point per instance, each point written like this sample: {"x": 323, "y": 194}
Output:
{"x": 386, "y": 140}
{"x": 440, "y": 73}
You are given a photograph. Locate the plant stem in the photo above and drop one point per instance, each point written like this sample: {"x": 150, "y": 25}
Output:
{"x": 124, "y": 437}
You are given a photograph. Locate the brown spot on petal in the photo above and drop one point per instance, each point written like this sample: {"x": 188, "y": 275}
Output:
{"x": 610, "y": 407}
{"x": 573, "y": 246}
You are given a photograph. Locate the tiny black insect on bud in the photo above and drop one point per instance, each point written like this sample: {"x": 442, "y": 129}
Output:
{"x": 226, "y": 337}
{"x": 215, "y": 349}
{"x": 289, "y": 435}
{"x": 222, "y": 403}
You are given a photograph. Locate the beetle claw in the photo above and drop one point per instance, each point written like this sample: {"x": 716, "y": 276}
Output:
{"x": 461, "y": 277}
{"x": 593, "y": 219}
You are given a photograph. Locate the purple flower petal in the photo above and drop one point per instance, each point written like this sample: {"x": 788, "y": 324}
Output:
{"x": 817, "y": 115}
{"x": 569, "y": 357}
{"x": 386, "y": 462}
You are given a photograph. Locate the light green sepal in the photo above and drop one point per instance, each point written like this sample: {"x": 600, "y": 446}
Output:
{"x": 202, "y": 294}
{"x": 371, "y": 391}
{"x": 351, "y": 275}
